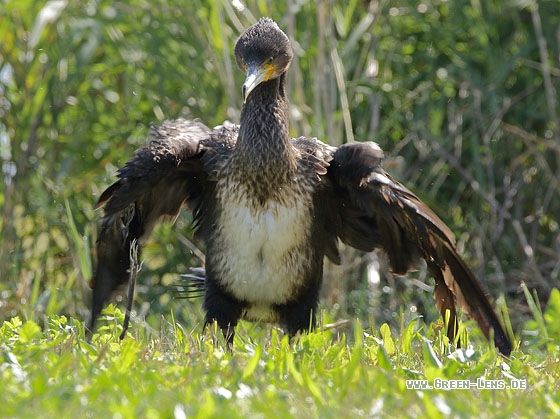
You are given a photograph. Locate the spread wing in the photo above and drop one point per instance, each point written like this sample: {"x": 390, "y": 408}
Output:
{"x": 164, "y": 175}
{"x": 374, "y": 210}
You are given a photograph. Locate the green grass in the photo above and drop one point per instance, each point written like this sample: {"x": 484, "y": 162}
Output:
{"x": 56, "y": 372}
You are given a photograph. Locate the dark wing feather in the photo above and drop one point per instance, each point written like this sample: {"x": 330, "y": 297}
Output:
{"x": 397, "y": 221}
{"x": 163, "y": 176}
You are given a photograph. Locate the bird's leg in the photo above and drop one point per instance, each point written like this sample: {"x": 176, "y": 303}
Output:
{"x": 298, "y": 317}
{"x": 224, "y": 311}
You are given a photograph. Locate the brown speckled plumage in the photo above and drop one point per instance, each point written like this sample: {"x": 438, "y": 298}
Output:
{"x": 269, "y": 208}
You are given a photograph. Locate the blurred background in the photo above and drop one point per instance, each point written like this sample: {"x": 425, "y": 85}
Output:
{"x": 462, "y": 95}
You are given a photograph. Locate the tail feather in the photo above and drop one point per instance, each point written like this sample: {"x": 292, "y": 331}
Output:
{"x": 191, "y": 285}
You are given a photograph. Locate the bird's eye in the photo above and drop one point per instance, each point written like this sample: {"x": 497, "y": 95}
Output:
{"x": 270, "y": 60}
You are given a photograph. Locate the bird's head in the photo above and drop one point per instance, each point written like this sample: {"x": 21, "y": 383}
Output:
{"x": 263, "y": 52}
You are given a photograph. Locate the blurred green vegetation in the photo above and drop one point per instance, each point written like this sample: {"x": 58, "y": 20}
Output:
{"x": 461, "y": 95}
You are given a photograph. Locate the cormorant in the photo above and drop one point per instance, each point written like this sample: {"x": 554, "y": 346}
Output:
{"x": 269, "y": 208}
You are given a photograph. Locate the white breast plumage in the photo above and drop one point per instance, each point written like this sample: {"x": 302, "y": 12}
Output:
{"x": 262, "y": 255}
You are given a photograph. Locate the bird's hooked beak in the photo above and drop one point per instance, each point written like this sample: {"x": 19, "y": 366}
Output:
{"x": 256, "y": 74}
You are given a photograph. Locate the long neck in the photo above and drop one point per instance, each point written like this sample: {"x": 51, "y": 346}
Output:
{"x": 264, "y": 142}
